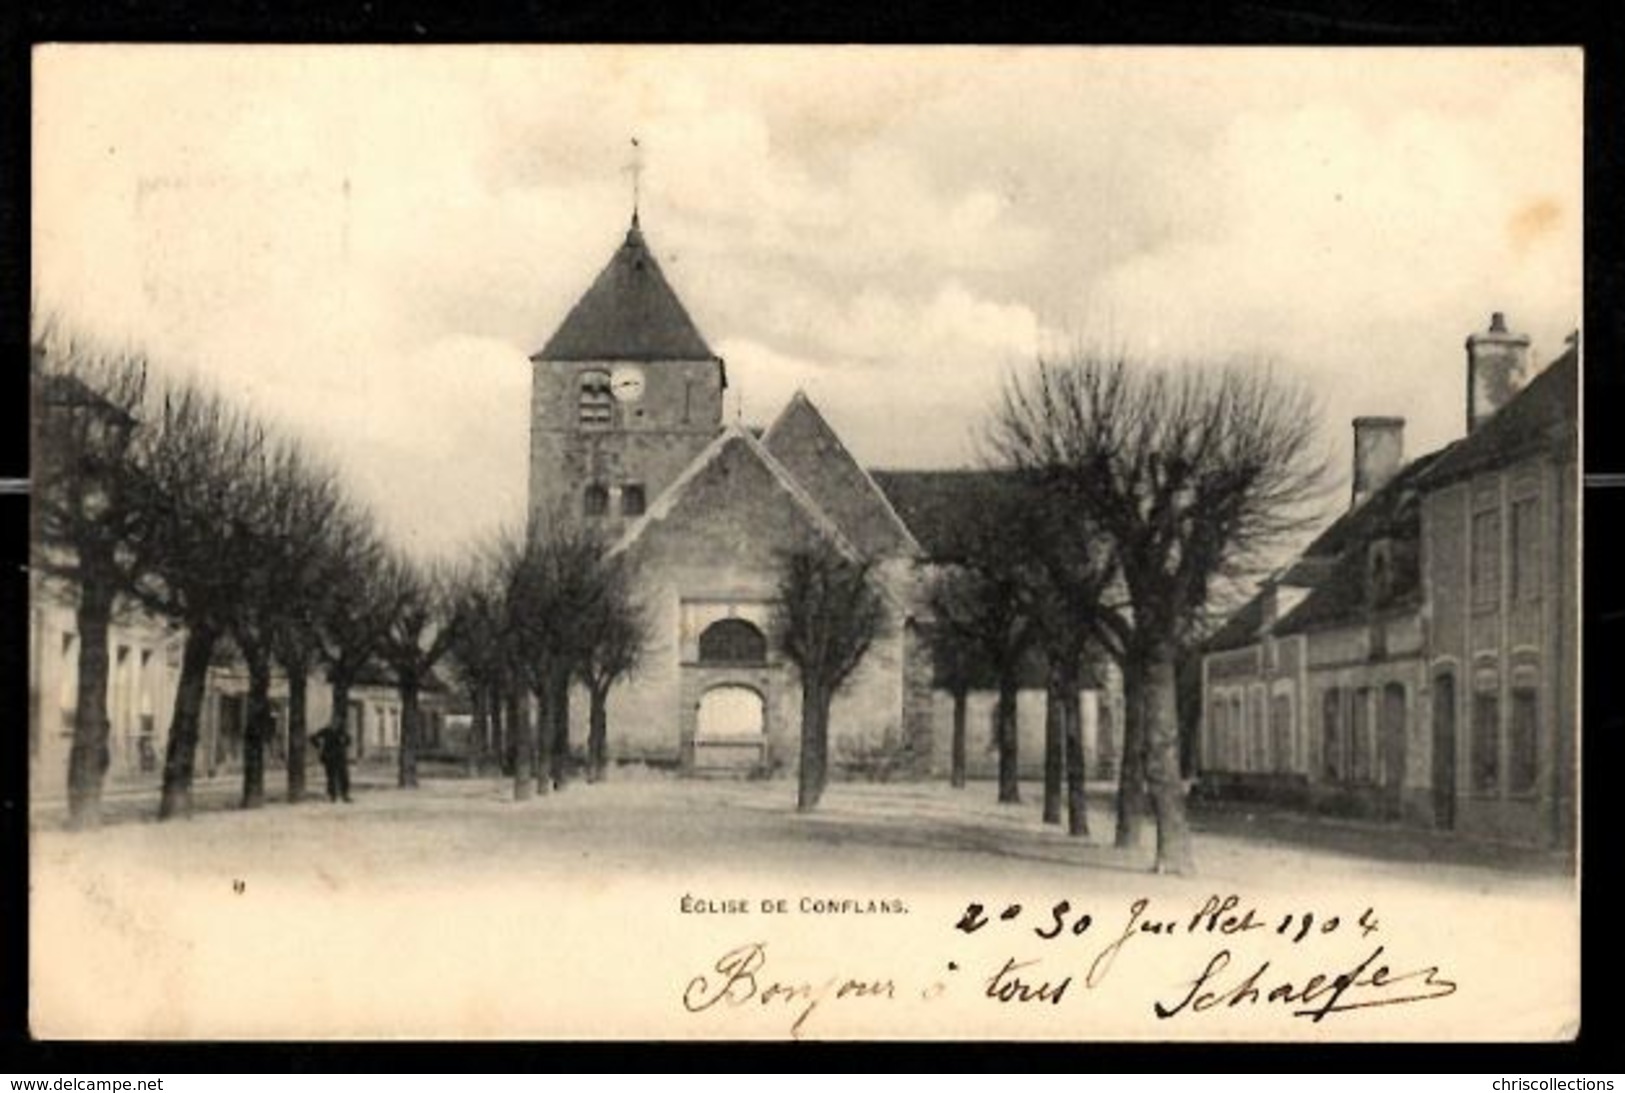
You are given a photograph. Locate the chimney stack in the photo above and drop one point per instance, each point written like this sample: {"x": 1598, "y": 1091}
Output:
{"x": 1497, "y": 365}
{"x": 1379, "y": 453}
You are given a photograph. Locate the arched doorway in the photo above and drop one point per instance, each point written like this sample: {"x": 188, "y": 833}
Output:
{"x": 730, "y": 730}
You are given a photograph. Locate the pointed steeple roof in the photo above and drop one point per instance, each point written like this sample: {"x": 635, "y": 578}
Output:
{"x": 629, "y": 313}
{"x": 805, "y": 444}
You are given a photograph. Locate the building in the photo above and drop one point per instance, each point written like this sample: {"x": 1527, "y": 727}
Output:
{"x": 1417, "y": 662}
{"x": 628, "y": 433}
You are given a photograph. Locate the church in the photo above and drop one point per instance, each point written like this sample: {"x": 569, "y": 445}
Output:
{"x": 628, "y": 432}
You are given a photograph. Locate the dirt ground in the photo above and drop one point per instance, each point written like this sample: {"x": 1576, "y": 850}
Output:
{"x": 454, "y": 911}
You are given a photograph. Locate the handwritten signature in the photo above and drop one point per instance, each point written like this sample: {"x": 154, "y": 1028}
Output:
{"x": 1362, "y": 987}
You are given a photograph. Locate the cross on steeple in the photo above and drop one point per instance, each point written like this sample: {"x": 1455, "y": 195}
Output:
{"x": 634, "y": 168}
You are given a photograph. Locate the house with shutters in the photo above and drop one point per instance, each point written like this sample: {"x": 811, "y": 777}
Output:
{"x": 1417, "y": 662}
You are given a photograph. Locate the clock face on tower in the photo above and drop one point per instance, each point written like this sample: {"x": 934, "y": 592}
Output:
{"x": 626, "y": 383}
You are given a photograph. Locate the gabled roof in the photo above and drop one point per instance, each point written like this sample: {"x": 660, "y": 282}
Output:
{"x": 629, "y": 313}
{"x": 1545, "y": 412}
{"x": 941, "y": 508}
{"x": 803, "y": 442}
{"x": 734, "y": 440}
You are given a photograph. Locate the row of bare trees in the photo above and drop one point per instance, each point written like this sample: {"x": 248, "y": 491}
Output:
{"x": 167, "y": 498}
{"x": 533, "y": 615}
{"x": 1129, "y": 496}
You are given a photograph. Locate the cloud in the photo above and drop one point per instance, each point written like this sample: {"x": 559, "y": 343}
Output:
{"x": 366, "y": 242}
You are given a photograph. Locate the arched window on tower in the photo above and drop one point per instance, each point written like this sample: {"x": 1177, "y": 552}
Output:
{"x": 595, "y": 405}
{"x": 594, "y": 501}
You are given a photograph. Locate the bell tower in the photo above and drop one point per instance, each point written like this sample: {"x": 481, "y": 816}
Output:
{"x": 624, "y": 395}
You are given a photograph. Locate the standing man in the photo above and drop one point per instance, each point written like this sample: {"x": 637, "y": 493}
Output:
{"x": 333, "y": 744}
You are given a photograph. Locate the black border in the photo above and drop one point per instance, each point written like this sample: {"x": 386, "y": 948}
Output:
{"x": 1310, "y": 22}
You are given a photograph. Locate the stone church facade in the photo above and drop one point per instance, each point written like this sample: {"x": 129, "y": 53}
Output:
{"x": 627, "y": 433}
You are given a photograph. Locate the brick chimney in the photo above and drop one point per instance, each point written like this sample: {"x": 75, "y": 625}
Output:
{"x": 1497, "y": 365}
{"x": 1379, "y": 453}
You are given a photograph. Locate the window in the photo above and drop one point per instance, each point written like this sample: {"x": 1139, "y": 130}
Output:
{"x": 1486, "y": 756}
{"x": 632, "y": 500}
{"x": 1523, "y": 758}
{"x": 1526, "y": 549}
{"x": 595, "y": 405}
{"x": 1256, "y": 729}
{"x": 1486, "y": 571}
{"x": 1331, "y": 735}
{"x": 1393, "y": 734}
{"x": 732, "y": 641}
{"x": 1360, "y": 737}
{"x": 594, "y": 501}
{"x": 1218, "y": 729}
{"x": 1238, "y": 734}
{"x": 1281, "y": 731}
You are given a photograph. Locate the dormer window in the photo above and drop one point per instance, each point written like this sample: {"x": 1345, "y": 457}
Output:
{"x": 594, "y": 402}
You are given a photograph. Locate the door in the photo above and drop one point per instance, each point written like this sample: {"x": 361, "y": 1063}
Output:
{"x": 1444, "y": 752}
{"x": 730, "y": 728}
{"x": 1393, "y": 746}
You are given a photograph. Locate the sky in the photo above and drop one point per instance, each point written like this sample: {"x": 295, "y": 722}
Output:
{"x": 365, "y": 244}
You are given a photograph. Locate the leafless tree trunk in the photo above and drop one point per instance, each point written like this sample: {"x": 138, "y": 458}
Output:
{"x": 180, "y": 755}
{"x": 559, "y": 749}
{"x": 1132, "y": 805}
{"x": 598, "y": 734}
{"x": 88, "y": 757}
{"x": 541, "y": 740}
{"x": 1054, "y": 747}
{"x": 523, "y": 735}
{"x": 1167, "y": 792}
{"x": 298, "y": 680}
{"x": 1008, "y": 739}
{"x": 1077, "y": 806}
{"x": 258, "y": 729}
{"x": 407, "y": 772}
{"x": 956, "y": 777}
{"x": 814, "y": 773}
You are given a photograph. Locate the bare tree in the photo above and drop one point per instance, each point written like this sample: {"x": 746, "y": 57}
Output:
{"x": 193, "y": 488}
{"x": 297, "y": 631}
{"x": 423, "y": 623}
{"x": 828, "y": 613}
{"x": 613, "y": 635}
{"x": 479, "y": 651}
{"x": 1070, "y": 571}
{"x": 982, "y": 600}
{"x": 561, "y": 583}
{"x": 355, "y": 608}
{"x": 86, "y": 402}
{"x": 1194, "y": 475}
{"x": 283, "y": 555}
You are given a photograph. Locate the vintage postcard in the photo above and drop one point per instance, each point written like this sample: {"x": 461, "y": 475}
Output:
{"x": 721, "y": 543}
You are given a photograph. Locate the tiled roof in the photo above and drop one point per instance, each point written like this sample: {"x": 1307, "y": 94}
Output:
{"x": 1336, "y": 563}
{"x": 943, "y": 508}
{"x": 1241, "y": 628}
{"x": 808, "y": 448}
{"x": 629, "y": 313}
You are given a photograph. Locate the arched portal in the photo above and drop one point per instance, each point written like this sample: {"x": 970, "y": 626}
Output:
{"x": 730, "y": 731}
{"x": 730, "y": 712}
